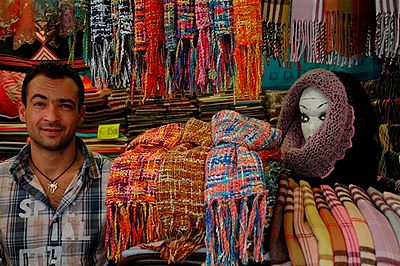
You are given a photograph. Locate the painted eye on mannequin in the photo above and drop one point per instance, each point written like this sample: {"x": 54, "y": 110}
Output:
{"x": 322, "y": 116}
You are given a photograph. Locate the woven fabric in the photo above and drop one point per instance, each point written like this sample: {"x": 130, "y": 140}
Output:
{"x": 180, "y": 193}
{"x": 10, "y": 92}
{"x": 9, "y": 15}
{"x": 325, "y": 250}
{"x": 394, "y": 220}
{"x": 317, "y": 156}
{"x": 338, "y": 242}
{"x": 248, "y": 48}
{"x": 386, "y": 246}
{"x": 367, "y": 248}
{"x": 393, "y": 200}
{"x": 303, "y": 231}
{"x": 131, "y": 191}
{"x": 25, "y": 26}
{"x": 235, "y": 189}
{"x": 345, "y": 224}
{"x": 278, "y": 251}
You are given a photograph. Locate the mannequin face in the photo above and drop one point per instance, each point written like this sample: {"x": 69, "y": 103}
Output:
{"x": 313, "y": 105}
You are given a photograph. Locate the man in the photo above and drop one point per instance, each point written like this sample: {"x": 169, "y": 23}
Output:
{"x": 52, "y": 193}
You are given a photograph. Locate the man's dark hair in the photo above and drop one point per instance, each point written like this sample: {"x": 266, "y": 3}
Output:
{"x": 54, "y": 70}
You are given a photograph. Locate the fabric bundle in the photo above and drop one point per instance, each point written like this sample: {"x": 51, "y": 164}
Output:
{"x": 131, "y": 192}
{"x": 275, "y": 23}
{"x": 248, "y": 48}
{"x": 307, "y": 31}
{"x": 393, "y": 200}
{"x": 317, "y": 156}
{"x": 180, "y": 193}
{"x": 235, "y": 188}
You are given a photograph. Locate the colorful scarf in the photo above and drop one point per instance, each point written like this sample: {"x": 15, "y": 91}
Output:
{"x": 317, "y": 156}
{"x": 393, "y": 200}
{"x": 9, "y": 15}
{"x": 235, "y": 189}
{"x": 180, "y": 193}
{"x": 362, "y": 26}
{"x": 131, "y": 192}
{"x": 25, "y": 26}
{"x": 248, "y": 48}
{"x": 307, "y": 31}
{"x": 275, "y": 23}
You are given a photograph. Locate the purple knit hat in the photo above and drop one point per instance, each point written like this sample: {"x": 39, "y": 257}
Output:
{"x": 317, "y": 156}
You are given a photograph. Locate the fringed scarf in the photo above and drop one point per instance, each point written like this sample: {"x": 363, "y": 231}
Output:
{"x": 387, "y": 36}
{"x": 122, "y": 19}
{"x": 222, "y": 44}
{"x": 102, "y": 42}
{"x": 131, "y": 192}
{"x": 185, "y": 57}
{"x": 235, "y": 189}
{"x": 170, "y": 41}
{"x": 338, "y": 15}
{"x": 362, "y": 26}
{"x": 180, "y": 193}
{"x": 307, "y": 32}
{"x": 205, "y": 58}
{"x": 248, "y": 48}
{"x": 275, "y": 23}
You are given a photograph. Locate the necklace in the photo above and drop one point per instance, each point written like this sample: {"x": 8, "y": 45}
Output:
{"x": 53, "y": 185}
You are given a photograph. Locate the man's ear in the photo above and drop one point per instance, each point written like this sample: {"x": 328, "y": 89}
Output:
{"x": 82, "y": 112}
{"x": 21, "y": 111}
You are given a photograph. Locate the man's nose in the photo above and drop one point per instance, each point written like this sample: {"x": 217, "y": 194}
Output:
{"x": 52, "y": 113}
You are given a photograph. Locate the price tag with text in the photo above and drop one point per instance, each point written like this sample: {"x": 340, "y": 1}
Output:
{"x": 108, "y": 131}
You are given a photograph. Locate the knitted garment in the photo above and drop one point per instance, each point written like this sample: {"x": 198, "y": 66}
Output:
{"x": 367, "y": 248}
{"x": 235, "y": 189}
{"x": 275, "y": 26}
{"x": 387, "y": 248}
{"x": 248, "y": 48}
{"x": 292, "y": 243}
{"x": 101, "y": 42}
{"x": 318, "y": 227}
{"x": 338, "y": 243}
{"x": 380, "y": 203}
{"x": 345, "y": 224}
{"x": 317, "y": 156}
{"x": 303, "y": 231}
{"x": 131, "y": 192}
{"x": 278, "y": 251}
{"x": 307, "y": 31}
{"x": 180, "y": 193}
{"x": 393, "y": 201}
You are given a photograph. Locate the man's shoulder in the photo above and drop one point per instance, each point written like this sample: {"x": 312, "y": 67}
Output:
{"x": 5, "y": 166}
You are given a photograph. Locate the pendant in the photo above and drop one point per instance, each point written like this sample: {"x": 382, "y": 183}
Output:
{"x": 52, "y": 186}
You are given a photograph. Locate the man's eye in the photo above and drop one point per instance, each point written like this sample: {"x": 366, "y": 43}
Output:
{"x": 38, "y": 104}
{"x": 322, "y": 116}
{"x": 304, "y": 118}
{"x": 66, "y": 106}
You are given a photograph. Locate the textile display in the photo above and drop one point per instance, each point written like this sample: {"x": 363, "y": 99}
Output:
{"x": 393, "y": 200}
{"x": 10, "y": 91}
{"x": 338, "y": 242}
{"x": 292, "y": 243}
{"x": 367, "y": 248}
{"x": 131, "y": 191}
{"x": 235, "y": 188}
{"x": 318, "y": 227}
{"x": 386, "y": 246}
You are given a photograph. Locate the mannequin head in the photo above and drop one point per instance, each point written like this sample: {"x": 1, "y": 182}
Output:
{"x": 313, "y": 105}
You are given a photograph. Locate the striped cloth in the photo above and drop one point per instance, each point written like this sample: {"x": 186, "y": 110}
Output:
{"x": 387, "y": 248}
{"x": 344, "y": 221}
{"x": 278, "y": 251}
{"x": 317, "y": 225}
{"x": 337, "y": 238}
{"x": 393, "y": 200}
{"x": 292, "y": 243}
{"x": 394, "y": 219}
{"x": 303, "y": 231}
{"x": 367, "y": 248}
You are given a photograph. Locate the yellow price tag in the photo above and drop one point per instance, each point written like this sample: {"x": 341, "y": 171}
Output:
{"x": 108, "y": 131}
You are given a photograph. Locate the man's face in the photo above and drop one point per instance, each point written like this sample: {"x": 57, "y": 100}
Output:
{"x": 51, "y": 113}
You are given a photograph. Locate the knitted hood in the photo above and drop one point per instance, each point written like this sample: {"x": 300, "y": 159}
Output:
{"x": 317, "y": 156}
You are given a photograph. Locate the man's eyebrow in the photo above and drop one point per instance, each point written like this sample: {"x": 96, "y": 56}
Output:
{"x": 38, "y": 95}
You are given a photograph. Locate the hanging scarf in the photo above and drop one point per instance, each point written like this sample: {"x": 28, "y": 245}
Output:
{"x": 25, "y": 27}
{"x": 47, "y": 11}
{"x": 362, "y": 22}
{"x": 248, "y": 48}
{"x": 235, "y": 189}
{"x": 170, "y": 41}
{"x": 222, "y": 44}
{"x": 9, "y": 15}
{"x": 317, "y": 156}
{"x": 131, "y": 192}
{"x": 204, "y": 53}
{"x": 122, "y": 19}
{"x": 101, "y": 38}
{"x": 82, "y": 23}
{"x": 307, "y": 31}
{"x": 275, "y": 23}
